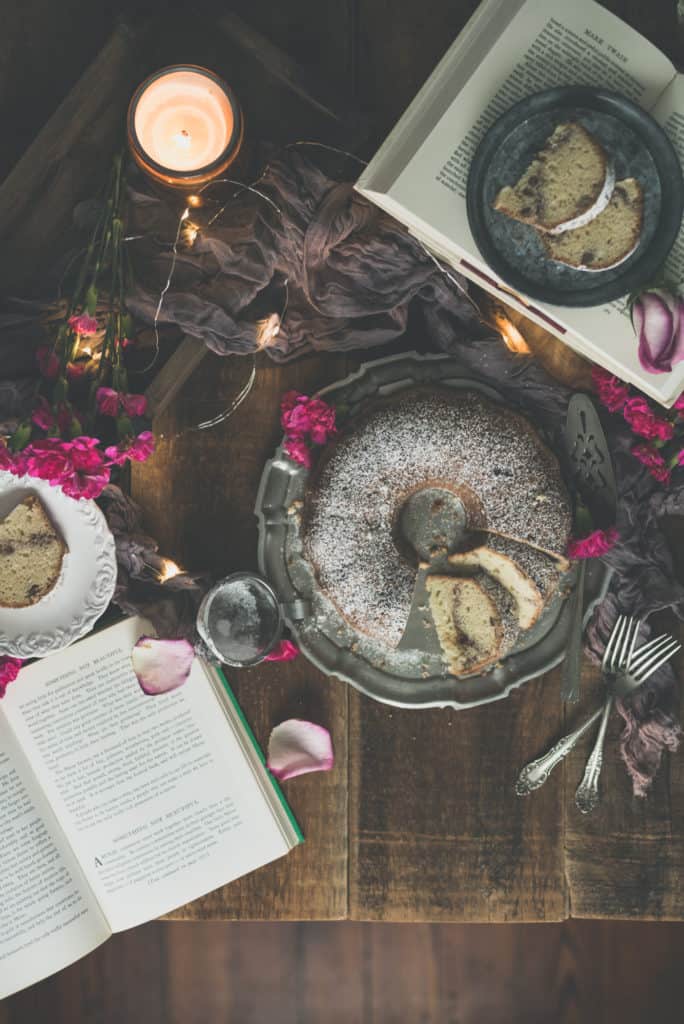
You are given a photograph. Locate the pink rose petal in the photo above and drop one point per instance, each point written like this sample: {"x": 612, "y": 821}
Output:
{"x": 296, "y": 747}
{"x": 161, "y": 665}
{"x": 655, "y": 321}
{"x": 285, "y": 651}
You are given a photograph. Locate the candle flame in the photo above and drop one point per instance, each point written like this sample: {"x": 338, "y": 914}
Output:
{"x": 169, "y": 570}
{"x": 512, "y": 338}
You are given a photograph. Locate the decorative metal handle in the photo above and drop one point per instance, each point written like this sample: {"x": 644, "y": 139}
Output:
{"x": 587, "y": 795}
{"x": 571, "y": 669}
{"x": 537, "y": 772}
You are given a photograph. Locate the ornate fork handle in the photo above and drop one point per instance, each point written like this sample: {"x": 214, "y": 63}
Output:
{"x": 537, "y": 772}
{"x": 587, "y": 795}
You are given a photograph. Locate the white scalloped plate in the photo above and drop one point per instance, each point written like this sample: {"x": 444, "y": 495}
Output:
{"x": 86, "y": 583}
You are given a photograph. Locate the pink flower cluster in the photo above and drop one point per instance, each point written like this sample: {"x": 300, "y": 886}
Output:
{"x": 654, "y": 461}
{"x": 109, "y": 402}
{"x": 610, "y": 390}
{"x": 9, "y": 670}
{"x": 644, "y": 421}
{"x": 285, "y": 651}
{"x": 84, "y": 325}
{"x": 305, "y": 421}
{"x": 594, "y": 545}
{"x": 77, "y": 466}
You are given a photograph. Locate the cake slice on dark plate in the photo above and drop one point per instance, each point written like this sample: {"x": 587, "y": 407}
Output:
{"x": 607, "y": 240}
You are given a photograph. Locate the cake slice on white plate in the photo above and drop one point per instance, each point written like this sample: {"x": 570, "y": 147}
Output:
{"x": 31, "y": 555}
{"x": 569, "y": 182}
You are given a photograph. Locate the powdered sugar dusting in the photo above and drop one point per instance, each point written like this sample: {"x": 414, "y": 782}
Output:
{"x": 419, "y": 438}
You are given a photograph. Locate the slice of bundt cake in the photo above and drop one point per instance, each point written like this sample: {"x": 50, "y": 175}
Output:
{"x": 467, "y": 622}
{"x": 608, "y": 239}
{"x": 31, "y": 555}
{"x": 571, "y": 179}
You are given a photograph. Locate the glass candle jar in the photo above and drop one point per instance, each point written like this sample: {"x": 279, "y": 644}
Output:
{"x": 240, "y": 620}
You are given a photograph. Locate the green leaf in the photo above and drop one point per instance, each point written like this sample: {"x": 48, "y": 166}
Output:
{"x": 124, "y": 427}
{"x": 60, "y": 392}
{"x": 21, "y": 437}
{"x": 91, "y": 300}
{"x": 584, "y": 523}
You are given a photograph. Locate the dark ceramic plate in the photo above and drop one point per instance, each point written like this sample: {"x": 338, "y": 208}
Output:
{"x": 638, "y": 147}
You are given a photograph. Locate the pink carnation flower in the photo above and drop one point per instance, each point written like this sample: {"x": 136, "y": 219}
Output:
{"x": 9, "y": 462}
{"x": 9, "y": 670}
{"x": 75, "y": 466}
{"x": 610, "y": 390}
{"x": 653, "y": 460}
{"x": 48, "y": 363}
{"x": 107, "y": 401}
{"x": 133, "y": 405}
{"x": 84, "y": 325}
{"x": 298, "y": 450}
{"x": 285, "y": 651}
{"x": 593, "y": 546}
{"x": 321, "y": 420}
{"x": 679, "y": 404}
{"x": 138, "y": 449}
{"x": 42, "y": 415}
{"x": 300, "y": 415}
{"x": 644, "y": 422}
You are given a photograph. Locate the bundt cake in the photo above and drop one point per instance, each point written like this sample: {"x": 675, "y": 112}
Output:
{"x": 508, "y": 560}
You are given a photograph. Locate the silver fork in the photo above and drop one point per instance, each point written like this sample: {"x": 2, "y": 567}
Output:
{"x": 537, "y": 772}
{"x": 640, "y": 666}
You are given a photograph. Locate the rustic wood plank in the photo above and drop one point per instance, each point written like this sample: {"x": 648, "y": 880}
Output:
{"x": 198, "y": 492}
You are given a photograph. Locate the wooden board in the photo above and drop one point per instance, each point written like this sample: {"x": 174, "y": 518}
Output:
{"x": 418, "y": 821}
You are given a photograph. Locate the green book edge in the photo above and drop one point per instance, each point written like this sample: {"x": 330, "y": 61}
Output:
{"x": 274, "y": 782}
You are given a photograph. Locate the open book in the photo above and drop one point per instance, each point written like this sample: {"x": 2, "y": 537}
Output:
{"x": 116, "y": 807}
{"x": 508, "y": 50}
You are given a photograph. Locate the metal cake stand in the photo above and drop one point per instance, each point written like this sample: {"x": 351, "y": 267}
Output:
{"x": 404, "y": 679}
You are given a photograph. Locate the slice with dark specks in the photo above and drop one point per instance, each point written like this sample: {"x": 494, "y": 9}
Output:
{"x": 31, "y": 555}
{"x": 609, "y": 239}
{"x": 467, "y": 623}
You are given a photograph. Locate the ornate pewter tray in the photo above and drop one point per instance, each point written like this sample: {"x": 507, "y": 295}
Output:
{"x": 407, "y": 679}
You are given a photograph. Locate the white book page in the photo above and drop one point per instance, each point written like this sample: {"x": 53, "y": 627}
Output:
{"x": 155, "y": 794}
{"x": 548, "y": 43}
{"x": 669, "y": 112}
{"x": 48, "y": 916}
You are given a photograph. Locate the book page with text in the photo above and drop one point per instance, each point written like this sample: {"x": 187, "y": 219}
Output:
{"x": 548, "y": 43}
{"x": 669, "y": 112}
{"x": 48, "y": 916}
{"x": 154, "y": 792}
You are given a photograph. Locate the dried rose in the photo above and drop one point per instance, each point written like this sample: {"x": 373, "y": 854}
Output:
{"x": 657, "y": 316}
{"x": 137, "y": 449}
{"x": 296, "y": 747}
{"x": 593, "y": 546}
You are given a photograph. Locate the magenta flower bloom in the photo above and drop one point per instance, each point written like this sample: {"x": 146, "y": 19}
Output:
{"x": 9, "y": 670}
{"x": 48, "y": 460}
{"x": 137, "y": 449}
{"x": 285, "y": 651}
{"x": 658, "y": 319}
{"x": 298, "y": 450}
{"x": 653, "y": 460}
{"x": 75, "y": 466}
{"x": 679, "y": 404}
{"x": 9, "y": 462}
{"x": 48, "y": 363}
{"x": 610, "y": 390}
{"x": 42, "y": 415}
{"x": 84, "y": 325}
{"x": 644, "y": 422}
{"x": 133, "y": 405}
{"x": 593, "y": 546}
{"x": 75, "y": 371}
{"x": 300, "y": 415}
{"x": 107, "y": 401}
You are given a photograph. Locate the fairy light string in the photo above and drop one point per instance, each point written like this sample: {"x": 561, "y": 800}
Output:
{"x": 269, "y": 327}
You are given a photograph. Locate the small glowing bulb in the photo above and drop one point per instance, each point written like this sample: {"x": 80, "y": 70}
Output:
{"x": 169, "y": 570}
{"x": 182, "y": 139}
{"x": 185, "y": 214}
{"x": 267, "y": 329}
{"x": 194, "y": 201}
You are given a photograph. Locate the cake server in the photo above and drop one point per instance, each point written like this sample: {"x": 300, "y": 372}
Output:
{"x": 431, "y": 526}
{"x": 592, "y": 475}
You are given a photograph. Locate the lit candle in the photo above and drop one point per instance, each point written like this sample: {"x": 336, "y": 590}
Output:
{"x": 184, "y": 126}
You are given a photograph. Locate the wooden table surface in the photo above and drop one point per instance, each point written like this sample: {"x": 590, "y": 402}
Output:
{"x": 418, "y": 820}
